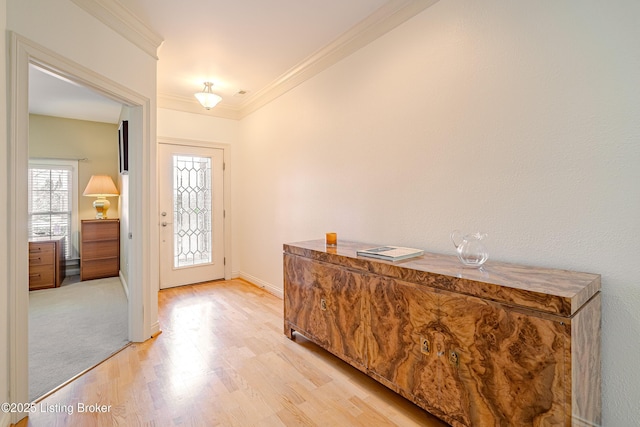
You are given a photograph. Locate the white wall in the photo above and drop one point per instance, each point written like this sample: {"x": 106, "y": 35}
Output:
{"x": 208, "y": 129}
{"x": 80, "y": 42}
{"x": 4, "y": 237}
{"x": 66, "y": 29}
{"x": 197, "y": 127}
{"x": 521, "y": 119}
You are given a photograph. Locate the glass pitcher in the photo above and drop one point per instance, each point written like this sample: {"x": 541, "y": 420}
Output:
{"x": 469, "y": 248}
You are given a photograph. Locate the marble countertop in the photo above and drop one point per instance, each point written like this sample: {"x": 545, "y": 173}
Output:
{"x": 559, "y": 292}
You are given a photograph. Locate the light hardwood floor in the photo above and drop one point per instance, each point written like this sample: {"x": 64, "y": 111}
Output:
{"x": 222, "y": 359}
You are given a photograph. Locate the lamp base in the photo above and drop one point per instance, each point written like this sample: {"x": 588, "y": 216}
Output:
{"x": 101, "y": 205}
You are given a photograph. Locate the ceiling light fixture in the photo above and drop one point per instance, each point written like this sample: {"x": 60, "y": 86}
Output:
{"x": 207, "y": 98}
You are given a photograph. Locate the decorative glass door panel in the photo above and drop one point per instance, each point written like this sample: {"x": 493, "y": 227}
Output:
{"x": 191, "y": 215}
{"x": 191, "y": 210}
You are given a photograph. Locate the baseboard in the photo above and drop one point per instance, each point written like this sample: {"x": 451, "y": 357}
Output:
{"x": 273, "y": 290}
{"x": 155, "y": 329}
{"x": 579, "y": 422}
{"x": 125, "y": 286}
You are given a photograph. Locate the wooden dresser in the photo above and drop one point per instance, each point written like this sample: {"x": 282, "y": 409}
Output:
{"x": 503, "y": 345}
{"x": 46, "y": 262}
{"x": 99, "y": 248}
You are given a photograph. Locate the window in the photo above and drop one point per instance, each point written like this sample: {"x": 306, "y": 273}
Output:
{"x": 53, "y": 203}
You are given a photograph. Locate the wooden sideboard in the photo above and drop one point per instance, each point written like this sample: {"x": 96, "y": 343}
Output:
{"x": 99, "y": 248}
{"x": 502, "y": 345}
{"x": 46, "y": 262}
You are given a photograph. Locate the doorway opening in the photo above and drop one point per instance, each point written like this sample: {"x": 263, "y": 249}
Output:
{"x": 142, "y": 300}
{"x": 73, "y": 324}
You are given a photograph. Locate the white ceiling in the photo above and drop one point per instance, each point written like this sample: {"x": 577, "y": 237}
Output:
{"x": 52, "y": 95}
{"x": 241, "y": 45}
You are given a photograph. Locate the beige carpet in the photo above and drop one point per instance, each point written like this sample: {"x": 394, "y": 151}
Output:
{"x": 73, "y": 328}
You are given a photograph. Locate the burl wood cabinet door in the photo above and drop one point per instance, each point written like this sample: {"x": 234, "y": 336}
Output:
{"x": 325, "y": 303}
{"x": 404, "y": 319}
{"x": 501, "y": 367}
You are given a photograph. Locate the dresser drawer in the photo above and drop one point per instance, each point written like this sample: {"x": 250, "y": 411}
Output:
{"x": 100, "y": 230}
{"x": 99, "y": 268}
{"x": 41, "y": 253}
{"x": 39, "y": 247}
{"x": 104, "y": 249}
{"x": 41, "y": 277}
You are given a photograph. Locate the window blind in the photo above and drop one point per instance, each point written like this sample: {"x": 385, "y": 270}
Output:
{"x": 51, "y": 203}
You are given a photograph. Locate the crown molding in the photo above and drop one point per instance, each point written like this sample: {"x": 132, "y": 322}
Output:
{"x": 383, "y": 20}
{"x": 113, "y": 14}
{"x": 191, "y": 105}
{"x": 120, "y": 19}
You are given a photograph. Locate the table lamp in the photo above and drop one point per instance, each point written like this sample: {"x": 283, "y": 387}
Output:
{"x": 101, "y": 186}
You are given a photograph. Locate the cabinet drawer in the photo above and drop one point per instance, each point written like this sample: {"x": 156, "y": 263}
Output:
{"x": 104, "y": 249}
{"x": 41, "y": 276}
{"x": 98, "y": 268}
{"x": 41, "y": 258}
{"x": 100, "y": 230}
{"x": 40, "y": 247}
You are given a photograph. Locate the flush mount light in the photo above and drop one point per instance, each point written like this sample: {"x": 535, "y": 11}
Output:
{"x": 207, "y": 98}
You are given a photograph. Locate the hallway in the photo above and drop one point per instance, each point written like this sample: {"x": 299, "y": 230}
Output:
{"x": 222, "y": 359}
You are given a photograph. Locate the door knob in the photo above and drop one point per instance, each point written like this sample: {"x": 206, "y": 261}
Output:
{"x": 164, "y": 223}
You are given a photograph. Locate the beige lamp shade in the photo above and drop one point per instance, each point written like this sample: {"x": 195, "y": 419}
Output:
{"x": 101, "y": 186}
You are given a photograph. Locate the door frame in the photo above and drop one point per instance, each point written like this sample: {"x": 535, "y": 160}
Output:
{"x": 226, "y": 188}
{"x": 143, "y": 301}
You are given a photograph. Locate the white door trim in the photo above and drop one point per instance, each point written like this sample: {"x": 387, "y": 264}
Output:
{"x": 143, "y": 300}
{"x": 226, "y": 155}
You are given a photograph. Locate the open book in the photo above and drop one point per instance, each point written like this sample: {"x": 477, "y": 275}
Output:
{"x": 390, "y": 253}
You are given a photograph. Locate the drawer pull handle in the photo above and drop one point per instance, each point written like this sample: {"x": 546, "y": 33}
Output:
{"x": 425, "y": 345}
{"x": 35, "y": 275}
{"x": 453, "y": 358}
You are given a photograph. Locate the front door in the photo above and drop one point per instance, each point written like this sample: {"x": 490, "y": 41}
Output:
{"x": 191, "y": 215}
